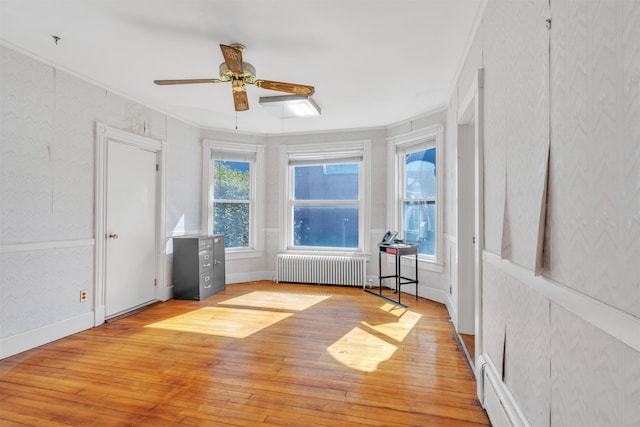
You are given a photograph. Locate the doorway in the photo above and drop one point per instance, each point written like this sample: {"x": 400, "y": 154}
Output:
{"x": 470, "y": 239}
{"x": 131, "y": 228}
{"x": 129, "y": 217}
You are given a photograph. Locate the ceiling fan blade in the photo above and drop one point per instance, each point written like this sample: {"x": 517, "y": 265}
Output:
{"x": 233, "y": 58}
{"x": 186, "y": 82}
{"x": 286, "y": 87}
{"x": 240, "y": 100}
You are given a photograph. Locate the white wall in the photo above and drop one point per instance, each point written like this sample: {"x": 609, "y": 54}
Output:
{"x": 47, "y": 195}
{"x": 47, "y": 173}
{"x": 566, "y": 342}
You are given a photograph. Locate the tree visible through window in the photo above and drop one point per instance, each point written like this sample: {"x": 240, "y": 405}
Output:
{"x": 231, "y": 202}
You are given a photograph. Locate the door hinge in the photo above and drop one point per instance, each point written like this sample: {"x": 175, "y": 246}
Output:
{"x": 155, "y": 282}
{"x": 474, "y": 240}
{"x": 157, "y": 167}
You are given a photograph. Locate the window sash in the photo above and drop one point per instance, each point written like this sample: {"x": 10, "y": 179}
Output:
{"x": 235, "y": 157}
{"x": 215, "y": 183}
{"x": 293, "y": 202}
{"x": 317, "y": 202}
{"x": 299, "y": 183}
{"x": 230, "y": 201}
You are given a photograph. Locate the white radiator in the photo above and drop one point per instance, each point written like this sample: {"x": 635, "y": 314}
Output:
{"x": 347, "y": 270}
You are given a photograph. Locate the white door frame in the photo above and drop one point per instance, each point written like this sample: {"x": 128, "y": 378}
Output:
{"x": 104, "y": 135}
{"x": 471, "y": 110}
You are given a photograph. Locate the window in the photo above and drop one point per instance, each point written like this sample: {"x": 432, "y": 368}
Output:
{"x": 232, "y": 197}
{"x": 417, "y": 199}
{"x": 326, "y": 197}
{"x": 232, "y": 201}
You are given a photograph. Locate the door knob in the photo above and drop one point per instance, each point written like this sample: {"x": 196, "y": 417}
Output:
{"x": 113, "y": 236}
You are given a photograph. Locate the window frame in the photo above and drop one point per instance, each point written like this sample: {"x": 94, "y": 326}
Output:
{"x": 324, "y": 153}
{"x": 256, "y": 198}
{"x": 397, "y": 148}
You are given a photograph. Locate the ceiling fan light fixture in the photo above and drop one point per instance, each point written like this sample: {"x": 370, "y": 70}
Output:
{"x": 291, "y": 106}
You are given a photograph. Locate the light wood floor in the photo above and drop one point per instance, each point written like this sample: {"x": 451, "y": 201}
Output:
{"x": 469, "y": 341}
{"x": 257, "y": 353}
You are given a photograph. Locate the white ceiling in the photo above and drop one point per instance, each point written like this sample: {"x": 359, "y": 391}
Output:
{"x": 372, "y": 62}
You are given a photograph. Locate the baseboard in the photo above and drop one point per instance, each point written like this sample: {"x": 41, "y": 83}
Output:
{"x": 28, "y": 340}
{"x": 437, "y": 295}
{"x": 432, "y": 294}
{"x": 502, "y": 408}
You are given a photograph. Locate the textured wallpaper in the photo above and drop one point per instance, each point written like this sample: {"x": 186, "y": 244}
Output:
{"x": 593, "y": 230}
{"x": 516, "y": 336}
{"x": 494, "y": 33}
{"x": 572, "y": 92}
{"x": 47, "y": 173}
{"x": 184, "y": 178}
{"x": 40, "y": 288}
{"x": 28, "y": 150}
{"x": 527, "y": 127}
{"x": 595, "y": 379}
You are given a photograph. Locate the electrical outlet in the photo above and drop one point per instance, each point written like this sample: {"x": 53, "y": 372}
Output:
{"x": 83, "y": 295}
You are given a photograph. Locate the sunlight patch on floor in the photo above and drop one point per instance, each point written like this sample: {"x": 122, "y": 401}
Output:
{"x": 394, "y": 309}
{"x": 276, "y": 300}
{"x": 361, "y": 350}
{"x": 400, "y": 329}
{"x": 222, "y": 321}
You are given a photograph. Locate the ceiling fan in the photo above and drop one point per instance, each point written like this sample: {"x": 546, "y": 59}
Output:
{"x": 239, "y": 73}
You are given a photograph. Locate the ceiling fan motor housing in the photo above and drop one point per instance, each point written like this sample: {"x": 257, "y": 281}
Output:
{"x": 248, "y": 75}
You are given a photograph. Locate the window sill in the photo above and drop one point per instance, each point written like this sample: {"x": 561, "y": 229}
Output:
{"x": 231, "y": 255}
{"x": 324, "y": 252}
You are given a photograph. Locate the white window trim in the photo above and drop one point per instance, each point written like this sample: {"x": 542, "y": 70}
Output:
{"x": 286, "y": 190}
{"x": 433, "y": 135}
{"x": 257, "y": 194}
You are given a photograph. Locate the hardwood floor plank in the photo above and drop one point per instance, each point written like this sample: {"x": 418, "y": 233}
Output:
{"x": 255, "y": 354}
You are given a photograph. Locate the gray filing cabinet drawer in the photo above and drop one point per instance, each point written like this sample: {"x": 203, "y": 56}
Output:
{"x": 198, "y": 266}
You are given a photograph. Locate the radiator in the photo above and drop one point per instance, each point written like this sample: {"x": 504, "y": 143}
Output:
{"x": 347, "y": 270}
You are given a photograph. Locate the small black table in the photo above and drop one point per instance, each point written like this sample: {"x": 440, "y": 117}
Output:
{"x": 398, "y": 250}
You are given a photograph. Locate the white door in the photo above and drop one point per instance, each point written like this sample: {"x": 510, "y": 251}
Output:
{"x": 130, "y": 228}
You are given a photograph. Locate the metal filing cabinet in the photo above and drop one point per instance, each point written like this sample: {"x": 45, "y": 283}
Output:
{"x": 198, "y": 266}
